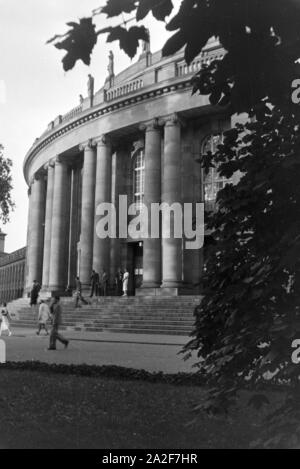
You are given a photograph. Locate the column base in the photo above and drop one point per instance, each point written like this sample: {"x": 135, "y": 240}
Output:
{"x": 150, "y": 284}
{"x": 171, "y": 284}
{"x": 166, "y": 291}
{"x": 169, "y": 291}
{"x": 147, "y": 291}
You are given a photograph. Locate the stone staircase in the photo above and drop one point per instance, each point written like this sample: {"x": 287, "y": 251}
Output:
{"x": 141, "y": 315}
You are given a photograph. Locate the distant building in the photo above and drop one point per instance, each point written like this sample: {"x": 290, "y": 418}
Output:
{"x": 12, "y": 272}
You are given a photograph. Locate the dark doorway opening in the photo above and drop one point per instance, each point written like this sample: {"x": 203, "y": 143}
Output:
{"x": 135, "y": 266}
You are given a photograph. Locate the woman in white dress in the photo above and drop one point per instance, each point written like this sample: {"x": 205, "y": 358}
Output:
{"x": 125, "y": 282}
{"x": 5, "y": 317}
{"x": 44, "y": 316}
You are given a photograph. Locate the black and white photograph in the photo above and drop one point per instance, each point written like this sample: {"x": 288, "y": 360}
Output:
{"x": 149, "y": 228}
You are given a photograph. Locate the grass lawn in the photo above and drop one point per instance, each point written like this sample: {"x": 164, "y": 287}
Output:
{"x": 49, "y": 410}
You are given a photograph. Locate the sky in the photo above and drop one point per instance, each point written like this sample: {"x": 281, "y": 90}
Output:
{"x": 34, "y": 89}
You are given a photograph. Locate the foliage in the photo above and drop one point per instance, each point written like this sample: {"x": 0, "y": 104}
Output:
{"x": 250, "y": 315}
{"x": 79, "y": 42}
{"x": 128, "y": 39}
{"x": 108, "y": 371}
{"x": 6, "y": 204}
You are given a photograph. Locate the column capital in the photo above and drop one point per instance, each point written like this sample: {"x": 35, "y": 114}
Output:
{"x": 39, "y": 175}
{"x": 88, "y": 145}
{"x": 172, "y": 120}
{"x": 60, "y": 160}
{"x": 102, "y": 141}
{"x": 49, "y": 164}
{"x": 57, "y": 160}
{"x": 149, "y": 126}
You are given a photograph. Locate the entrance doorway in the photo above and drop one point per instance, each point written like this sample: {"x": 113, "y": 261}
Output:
{"x": 135, "y": 266}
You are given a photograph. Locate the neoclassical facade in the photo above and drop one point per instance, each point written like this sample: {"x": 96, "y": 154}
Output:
{"x": 141, "y": 135}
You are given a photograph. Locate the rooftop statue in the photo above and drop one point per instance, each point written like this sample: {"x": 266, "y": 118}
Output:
{"x": 110, "y": 67}
{"x": 90, "y": 86}
{"x": 146, "y": 44}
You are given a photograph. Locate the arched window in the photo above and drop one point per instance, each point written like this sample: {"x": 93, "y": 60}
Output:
{"x": 213, "y": 182}
{"x": 139, "y": 179}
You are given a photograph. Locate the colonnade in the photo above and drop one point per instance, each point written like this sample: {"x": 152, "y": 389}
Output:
{"x": 56, "y": 227}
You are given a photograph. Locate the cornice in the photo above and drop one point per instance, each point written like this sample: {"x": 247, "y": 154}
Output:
{"x": 94, "y": 113}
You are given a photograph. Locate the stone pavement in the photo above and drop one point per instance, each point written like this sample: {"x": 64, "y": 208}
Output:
{"x": 140, "y": 351}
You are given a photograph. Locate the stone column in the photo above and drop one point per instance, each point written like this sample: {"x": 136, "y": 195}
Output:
{"x": 171, "y": 193}
{"x": 49, "y": 167}
{"x": 27, "y": 280}
{"x": 101, "y": 253}
{"x": 152, "y": 247}
{"x": 36, "y": 229}
{"x": 114, "y": 243}
{"x": 59, "y": 228}
{"x": 120, "y": 162}
{"x": 87, "y": 213}
{"x": 74, "y": 215}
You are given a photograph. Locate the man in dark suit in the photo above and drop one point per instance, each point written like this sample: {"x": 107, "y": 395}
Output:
{"x": 34, "y": 293}
{"x": 56, "y": 313}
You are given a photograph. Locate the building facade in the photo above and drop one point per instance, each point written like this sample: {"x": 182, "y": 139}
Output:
{"x": 12, "y": 272}
{"x": 141, "y": 135}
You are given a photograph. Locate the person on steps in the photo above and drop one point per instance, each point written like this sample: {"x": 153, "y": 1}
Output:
{"x": 78, "y": 294}
{"x": 125, "y": 282}
{"x": 34, "y": 293}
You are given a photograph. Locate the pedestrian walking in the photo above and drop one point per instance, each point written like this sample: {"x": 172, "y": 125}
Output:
{"x": 78, "y": 295}
{"x": 94, "y": 284}
{"x": 34, "y": 293}
{"x": 44, "y": 316}
{"x": 5, "y": 318}
{"x": 56, "y": 312}
{"x": 125, "y": 282}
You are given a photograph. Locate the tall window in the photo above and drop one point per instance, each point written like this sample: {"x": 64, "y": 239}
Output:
{"x": 213, "y": 182}
{"x": 139, "y": 179}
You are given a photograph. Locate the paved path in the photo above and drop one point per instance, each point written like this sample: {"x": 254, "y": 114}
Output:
{"x": 141, "y": 351}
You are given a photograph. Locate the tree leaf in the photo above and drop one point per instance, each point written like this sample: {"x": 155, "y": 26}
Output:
{"x": 116, "y": 7}
{"x": 174, "y": 44}
{"x": 129, "y": 39}
{"x": 79, "y": 42}
{"x": 160, "y": 9}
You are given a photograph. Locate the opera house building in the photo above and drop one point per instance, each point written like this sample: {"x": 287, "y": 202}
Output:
{"x": 141, "y": 136}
